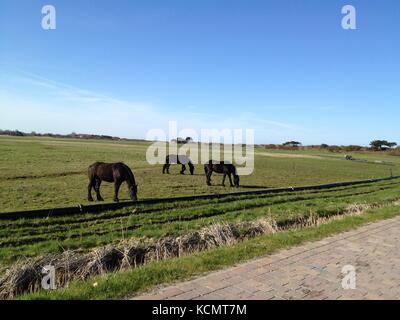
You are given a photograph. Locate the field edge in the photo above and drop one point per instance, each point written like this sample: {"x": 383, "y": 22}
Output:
{"x": 127, "y": 284}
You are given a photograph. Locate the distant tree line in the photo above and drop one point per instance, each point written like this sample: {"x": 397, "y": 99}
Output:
{"x": 375, "y": 145}
{"x": 72, "y": 135}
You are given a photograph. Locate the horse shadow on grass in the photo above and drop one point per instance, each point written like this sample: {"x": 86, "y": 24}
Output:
{"x": 255, "y": 187}
{"x": 185, "y": 174}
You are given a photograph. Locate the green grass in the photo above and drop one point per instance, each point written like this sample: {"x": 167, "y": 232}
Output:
{"x": 38, "y": 236}
{"x": 48, "y": 172}
{"x": 45, "y": 172}
{"x": 126, "y": 283}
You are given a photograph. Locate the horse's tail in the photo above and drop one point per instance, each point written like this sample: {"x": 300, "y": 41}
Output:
{"x": 91, "y": 171}
{"x": 131, "y": 179}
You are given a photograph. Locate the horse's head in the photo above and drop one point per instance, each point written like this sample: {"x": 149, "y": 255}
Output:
{"x": 133, "y": 192}
{"x": 236, "y": 180}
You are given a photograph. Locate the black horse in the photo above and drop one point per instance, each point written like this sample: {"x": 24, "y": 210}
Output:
{"x": 223, "y": 167}
{"x": 111, "y": 172}
{"x": 178, "y": 159}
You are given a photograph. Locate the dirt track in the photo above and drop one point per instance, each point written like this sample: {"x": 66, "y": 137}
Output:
{"x": 287, "y": 155}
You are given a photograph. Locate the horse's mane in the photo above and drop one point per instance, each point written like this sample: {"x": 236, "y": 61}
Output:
{"x": 130, "y": 174}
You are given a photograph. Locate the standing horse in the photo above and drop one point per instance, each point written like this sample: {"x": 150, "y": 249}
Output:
{"x": 111, "y": 172}
{"x": 225, "y": 168}
{"x": 178, "y": 159}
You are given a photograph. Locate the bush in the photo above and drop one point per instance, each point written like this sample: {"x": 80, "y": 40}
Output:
{"x": 352, "y": 148}
{"x": 395, "y": 152}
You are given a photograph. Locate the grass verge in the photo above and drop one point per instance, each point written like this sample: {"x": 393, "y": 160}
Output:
{"x": 126, "y": 283}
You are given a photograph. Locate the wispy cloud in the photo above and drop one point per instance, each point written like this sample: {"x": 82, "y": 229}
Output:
{"x": 54, "y": 105}
{"x": 66, "y": 91}
{"x": 42, "y": 104}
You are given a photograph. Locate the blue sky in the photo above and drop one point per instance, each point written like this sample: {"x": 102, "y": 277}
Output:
{"x": 284, "y": 68}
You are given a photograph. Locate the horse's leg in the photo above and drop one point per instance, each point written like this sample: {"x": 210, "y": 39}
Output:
{"x": 183, "y": 169}
{"x": 167, "y": 167}
{"x": 97, "y": 188}
{"x": 223, "y": 180}
{"x": 90, "y": 186}
{"x": 230, "y": 179}
{"x": 117, "y": 184}
{"x": 164, "y": 168}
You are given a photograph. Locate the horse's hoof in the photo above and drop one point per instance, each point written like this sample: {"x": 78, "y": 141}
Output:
{"x": 116, "y": 200}
{"x": 90, "y": 199}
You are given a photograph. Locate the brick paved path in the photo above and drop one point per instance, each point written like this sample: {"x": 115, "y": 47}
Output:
{"x": 310, "y": 271}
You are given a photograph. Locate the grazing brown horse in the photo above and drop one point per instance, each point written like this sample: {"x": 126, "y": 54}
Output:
{"x": 225, "y": 168}
{"x": 178, "y": 159}
{"x": 111, "y": 172}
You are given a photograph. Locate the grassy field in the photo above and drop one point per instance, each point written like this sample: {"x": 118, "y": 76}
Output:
{"x": 43, "y": 172}
{"x": 33, "y": 237}
{"x": 48, "y": 172}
